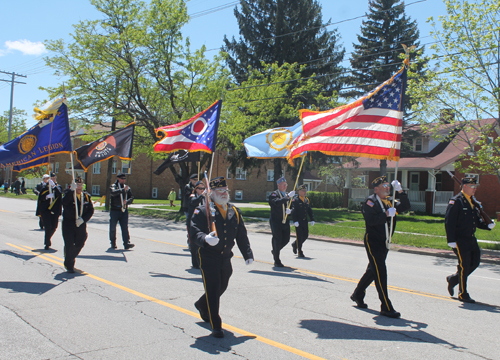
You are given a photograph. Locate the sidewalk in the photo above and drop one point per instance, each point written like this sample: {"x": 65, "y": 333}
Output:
{"x": 487, "y": 256}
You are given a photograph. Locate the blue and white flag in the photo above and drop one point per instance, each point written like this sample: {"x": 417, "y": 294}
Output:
{"x": 272, "y": 143}
{"x": 50, "y": 136}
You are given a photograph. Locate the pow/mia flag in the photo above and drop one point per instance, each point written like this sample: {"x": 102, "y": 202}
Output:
{"x": 117, "y": 143}
{"x": 177, "y": 157}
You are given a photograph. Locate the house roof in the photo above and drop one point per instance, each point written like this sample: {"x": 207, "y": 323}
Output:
{"x": 446, "y": 153}
{"x": 309, "y": 176}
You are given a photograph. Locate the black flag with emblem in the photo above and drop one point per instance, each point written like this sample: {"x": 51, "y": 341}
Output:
{"x": 177, "y": 157}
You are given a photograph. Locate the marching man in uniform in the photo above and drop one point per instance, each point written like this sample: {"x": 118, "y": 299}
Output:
{"x": 74, "y": 224}
{"x": 49, "y": 207}
{"x": 378, "y": 211}
{"x": 301, "y": 209}
{"x": 121, "y": 198}
{"x": 461, "y": 220}
{"x": 280, "y": 226}
{"x": 215, "y": 250}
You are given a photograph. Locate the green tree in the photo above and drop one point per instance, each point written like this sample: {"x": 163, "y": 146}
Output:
{"x": 18, "y": 125}
{"x": 377, "y": 55}
{"x": 133, "y": 63}
{"x": 461, "y": 89}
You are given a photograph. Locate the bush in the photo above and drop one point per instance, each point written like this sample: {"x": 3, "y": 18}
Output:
{"x": 325, "y": 200}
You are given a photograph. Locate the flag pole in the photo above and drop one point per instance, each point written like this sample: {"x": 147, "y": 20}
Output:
{"x": 74, "y": 182}
{"x": 295, "y": 186}
{"x": 388, "y": 244}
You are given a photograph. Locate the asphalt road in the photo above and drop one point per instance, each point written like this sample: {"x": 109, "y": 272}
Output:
{"x": 138, "y": 304}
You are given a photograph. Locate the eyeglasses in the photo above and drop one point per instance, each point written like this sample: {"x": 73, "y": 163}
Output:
{"x": 385, "y": 185}
{"x": 219, "y": 190}
{"x": 473, "y": 186}
{"x": 200, "y": 188}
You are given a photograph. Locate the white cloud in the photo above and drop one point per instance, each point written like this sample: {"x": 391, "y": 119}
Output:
{"x": 26, "y": 47}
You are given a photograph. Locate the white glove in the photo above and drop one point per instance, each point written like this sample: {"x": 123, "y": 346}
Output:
{"x": 452, "y": 245}
{"x": 50, "y": 196}
{"x": 72, "y": 187}
{"x": 288, "y": 211}
{"x": 52, "y": 183}
{"x": 249, "y": 261}
{"x": 291, "y": 193}
{"x": 296, "y": 224}
{"x": 391, "y": 211}
{"x": 396, "y": 185}
{"x": 492, "y": 225}
{"x": 79, "y": 222}
{"x": 312, "y": 223}
{"x": 211, "y": 239}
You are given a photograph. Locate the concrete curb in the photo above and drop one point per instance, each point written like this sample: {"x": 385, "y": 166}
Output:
{"x": 487, "y": 256}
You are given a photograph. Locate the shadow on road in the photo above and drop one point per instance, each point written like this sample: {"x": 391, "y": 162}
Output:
{"x": 287, "y": 272}
{"x": 214, "y": 346}
{"x": 27, "y": 287}
{"x": 175, "y": 277}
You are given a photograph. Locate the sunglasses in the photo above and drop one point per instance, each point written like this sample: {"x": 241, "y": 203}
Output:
{"x": 221, "y": 190}
{"x": 386, "y": 186}
{"x": 473, "y": 186}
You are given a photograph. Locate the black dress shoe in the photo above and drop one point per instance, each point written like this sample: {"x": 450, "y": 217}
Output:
{"x": 451, "y": 291}
{"x": 113, "y": 246}
{"x": 128, "y": 246}
{"x": 204, "y": 316}
{"x": 294, "y": 247}
{"x": 392, "y": 314}
{"x": 301, "y": 254}
{"x": 359, "y": 302}
{"x": 466, "y": 299}
{"x": 278, "y": 264}
{"x": 218, "y": 333}
{"x": 47, "y": 247}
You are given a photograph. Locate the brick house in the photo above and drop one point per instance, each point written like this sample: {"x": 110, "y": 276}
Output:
{"x": 424, "y": 175}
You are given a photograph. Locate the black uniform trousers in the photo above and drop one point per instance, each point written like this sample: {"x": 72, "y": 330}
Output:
{"x": 302, "y": 233}
{"x": 216, "y": 273}
{"x": 74, "y": 240}
{"x": 50, "y": 223}
{"x": 118, "y": 216}
{"x": 281, "y": 237}
{"x": 469, "y": 259}
{"x": 376, "y": 271}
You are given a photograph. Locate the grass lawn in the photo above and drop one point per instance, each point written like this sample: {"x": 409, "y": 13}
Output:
{"x": 29, "y": 195}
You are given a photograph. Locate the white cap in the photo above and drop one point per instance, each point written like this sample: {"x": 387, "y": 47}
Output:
{"x": 45, "y": 176}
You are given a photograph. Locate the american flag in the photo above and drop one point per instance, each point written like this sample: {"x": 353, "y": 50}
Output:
{"x": 196, "y": 134}
{"x": 368, "y": 127}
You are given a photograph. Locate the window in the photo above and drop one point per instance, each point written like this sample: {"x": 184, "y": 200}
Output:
{"x": 241, "y": 174}
{"x": 126, "y": 167}
{"x": 96, "y": 168}
{"x": 414, "y": 181}
{"x": 68, "y": 165}
{"x": 268, "y": 193}
{"x": 154, "y": 195}
{"x": 490, "y": 140}
{"x": 56, "y": 168}
{"x": 238, "y": 195}
{"x": 439, "y": 181}
{"x": 362, "y": 179}
{"x": 417, "y": 144}
{"x": 474, "y": 176}
{"x": 228, "y": 174}
{"x": 113, "y": 168}
{"x": 270, "y": 175}
{"x": 96, "y": 189}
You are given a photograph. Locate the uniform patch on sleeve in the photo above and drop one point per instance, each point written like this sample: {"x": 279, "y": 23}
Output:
{"x": 369, "y": 203}
{"x": 451, "y": 202}
{"x": 196, "y": 211}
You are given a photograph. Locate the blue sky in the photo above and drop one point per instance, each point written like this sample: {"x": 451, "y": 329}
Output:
{"x": 27, "y": 23}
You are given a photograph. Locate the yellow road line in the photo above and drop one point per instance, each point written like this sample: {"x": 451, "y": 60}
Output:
{"x": 342, "y": 278}
{"x": 7, "y": 211}
{"x": 178, "y": 308}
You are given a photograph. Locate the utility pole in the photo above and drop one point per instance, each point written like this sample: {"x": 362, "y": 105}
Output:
{"x": 11, "y": 103}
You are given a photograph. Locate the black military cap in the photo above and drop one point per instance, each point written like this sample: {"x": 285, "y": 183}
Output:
{"x": 469, "y": 181}
{"x": 194, "y": 176}
{"x": 380, "y": 180}
{"x": 121, "y": 175}
{"x": 218, "y": 182}
{"x": 199, "y": 184}
{"x": 302, "y": 187}
{"x": 79, "y": 180}
{"x": 52, "y": 174}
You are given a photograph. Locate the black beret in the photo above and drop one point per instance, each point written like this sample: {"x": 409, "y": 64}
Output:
{"x": 52, "y": 174}
{"x": 302, "y": 187}
{"x": 121, "y": 175}
{"x": 380, "y": 180}
{"x": 199, "y": 183}
{"x": 79, "y": 180}
{"x": 469, "y": 180}
{"x": 194, "y": 176}
{"x": 218, "y": 182}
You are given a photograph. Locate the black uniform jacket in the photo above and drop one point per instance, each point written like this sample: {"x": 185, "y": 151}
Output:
{"x": 44, "y": 203}
{"x": 228, "y": 230}
{"x": 187, "y": 192}
{"x": 375, "y": 217}
{"x": 116, "y": 202}
{"x": 194, "y": 201}
{"x": 301, "y": 209}
{"x": 68, "y": 203}
{"x": 461, "y": 221}
{"x": 277, "y": 201}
